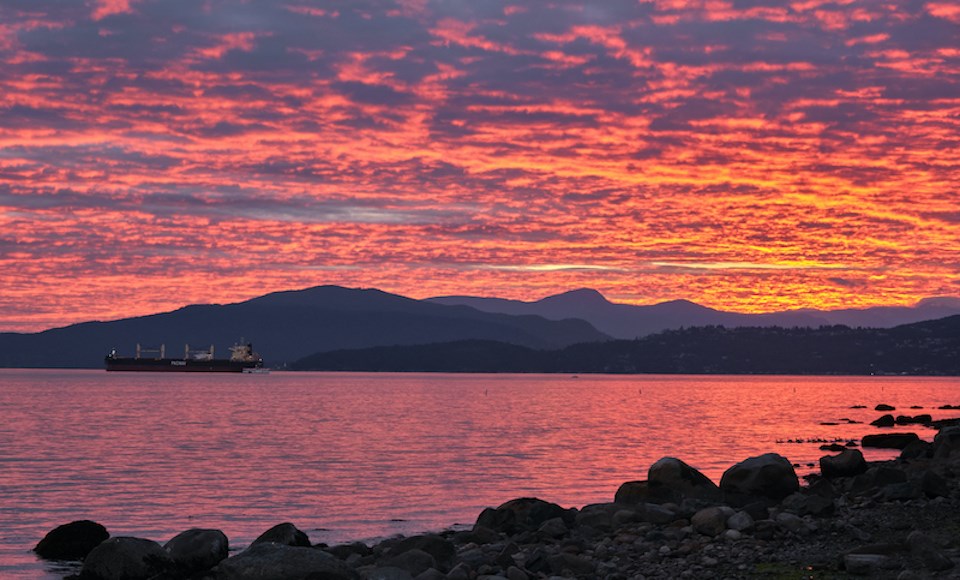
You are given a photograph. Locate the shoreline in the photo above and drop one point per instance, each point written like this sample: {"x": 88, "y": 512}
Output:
{"x": 898, "y": 518}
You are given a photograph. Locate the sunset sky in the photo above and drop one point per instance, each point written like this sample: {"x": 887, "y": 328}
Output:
{"x": 749, "y": 155}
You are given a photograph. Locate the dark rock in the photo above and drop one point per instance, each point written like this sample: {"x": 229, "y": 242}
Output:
{"x": 934, "y": 485}
{"x": 916, "y": 420}
{"x": 769, "y": 475}
{"x": 523, "y": 514}
{"x": 598, "y": 516}
{"x": 922, "y": 547}
{"x": 877, "y": 477}
{"x": 946, "y": 442}
{"x": 413, "y": 561}
{"x": 832, "y": 447}
{"x": 809, "y": 504}
{"x": 442, "y": 550}
{"x": 344, "y": 551}
{"x": 901, "y": 491}
{"x": 673, "y": 480}
{"x": 71, "y": 541}
{"x": 848, "y": 463}
{"x": 285, "y": 534}
{"x": 197, "y": 549}
{"x": 655, "y": 514}
{"x": 884, "y": 407}
{"x": 571, "y": 562}
{"x": 889, "y": 440}
{"x": 126, "y": 558}
{"x": 269, "y": 560}
{"x": 884, "y": 421}
{"x": 632, "y": 492}
{"x": 711, "y": 521}
{"x": 431, "y": 574}
{"x": 916, "y": 450}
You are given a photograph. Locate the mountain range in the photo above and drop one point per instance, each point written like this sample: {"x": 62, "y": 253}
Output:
{"x": 287, "y": 326}
{"x": 628, "y": 321}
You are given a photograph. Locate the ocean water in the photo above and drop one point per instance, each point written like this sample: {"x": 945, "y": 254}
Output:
{"x": 348, "y": 456}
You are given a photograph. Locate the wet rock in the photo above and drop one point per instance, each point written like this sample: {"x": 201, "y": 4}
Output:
{"x": 915, "y": 420}
{"x": 271, "y": 560}
{"x": 848, "y": 463}
{"x": 769, "y": 475}
{"x": 884, "y": 421}
{"x": 884, "y": 407}
{"x": 197, "y": 549}
{"x": 126, "y": 558}
{"x": 889, "y": 440}
{"x": 671, "y": 479}
{"x": 522, "y": 514}
{"x": 285, "y": 534}
{"x": 71, "y": 541}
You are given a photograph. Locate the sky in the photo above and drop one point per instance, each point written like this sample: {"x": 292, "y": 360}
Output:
{"x": 749, "y": 155}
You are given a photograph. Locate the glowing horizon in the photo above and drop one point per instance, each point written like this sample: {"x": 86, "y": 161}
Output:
{"x": 747, "y": 155}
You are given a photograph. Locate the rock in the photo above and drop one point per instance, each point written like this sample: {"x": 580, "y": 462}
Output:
{"x": 197, "y": 550}
{"x": 922, "y": 547}
{"x": 460, "y": 572}
{"x": 598, "y": 515}
{"x": 269, "y": 560}
{"x": 889, "y": 440}
{"x": 884, "y": 421}
{"x": 126, "y": 558}
{"x": 514, "y": 573}
{"x": 867, "y": 560}
{"x": 740, "y": 521}
{"x": 631, "y": 492}
{"x": 430, "y": 574}
{"x": 344, "y": 551}
{"x": 285, "y": 534}
{"x": 933, "y": 485}
{"x": 670, "y": 479}
{"x": 414, "y": 561}
{"x": 386, "y": 573}
{"x": 442, "y": 550}
{"x": 792, "y": 523}
{"x": 946, "y": 442}
{"x": 522, "y": 514}
{"x": 848, "y": 463}
{"x": 553, "y": 528}
{"x": 711, "y": 521}
{"x": 71, "y": 541}
{"x": 655, "y": 514}
{"x": 916, "y": 450}
{"x": 884, "y": 407}
{"x": 803, "y": 504}
{"x": 570, "y": 562}
{"x": 916, "y": 420}
{"x": 769, "y": 475}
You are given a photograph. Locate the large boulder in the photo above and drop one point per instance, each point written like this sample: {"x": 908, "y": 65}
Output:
{"x": 522, "y": 514}
{"x": 633, "y": 492}
{"x": 442, "y": 549}
{"x": 272, "y": 561}
{"x": 947, "y": 442}
{"x": 766, "y": 476}
{"x": 848, "y": 463}
{"x": 71, "y": 541}
{"x": 126, "y": 558}
{"x": 197, "y": 550}
{"x": 673, "y": 480}
{"x": 889, "y": 440}
{"x": 286, "y": 534}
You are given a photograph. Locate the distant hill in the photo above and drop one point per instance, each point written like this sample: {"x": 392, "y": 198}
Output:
{"x": 285, "y": 326}
{"x": 924, "y": 348}
{"x": 629, "y": 321}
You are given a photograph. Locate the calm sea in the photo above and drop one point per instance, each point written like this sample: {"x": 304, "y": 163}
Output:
{"x": 359, "y": 456}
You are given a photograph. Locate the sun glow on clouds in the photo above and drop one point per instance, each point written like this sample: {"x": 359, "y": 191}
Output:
{"x": 747, "y": 156}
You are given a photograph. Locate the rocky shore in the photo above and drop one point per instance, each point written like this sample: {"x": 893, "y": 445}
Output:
{"x": 892, "y": 519}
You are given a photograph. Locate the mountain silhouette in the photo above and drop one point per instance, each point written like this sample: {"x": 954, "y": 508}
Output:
{"x": 628, "y": 321}
{"x": 285, "y": 326}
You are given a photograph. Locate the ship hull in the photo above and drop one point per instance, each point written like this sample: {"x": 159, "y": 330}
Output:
{"x": 178, "y": 365}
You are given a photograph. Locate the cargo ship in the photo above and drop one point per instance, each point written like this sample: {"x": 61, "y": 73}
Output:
{"x": 242, "y": 360}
